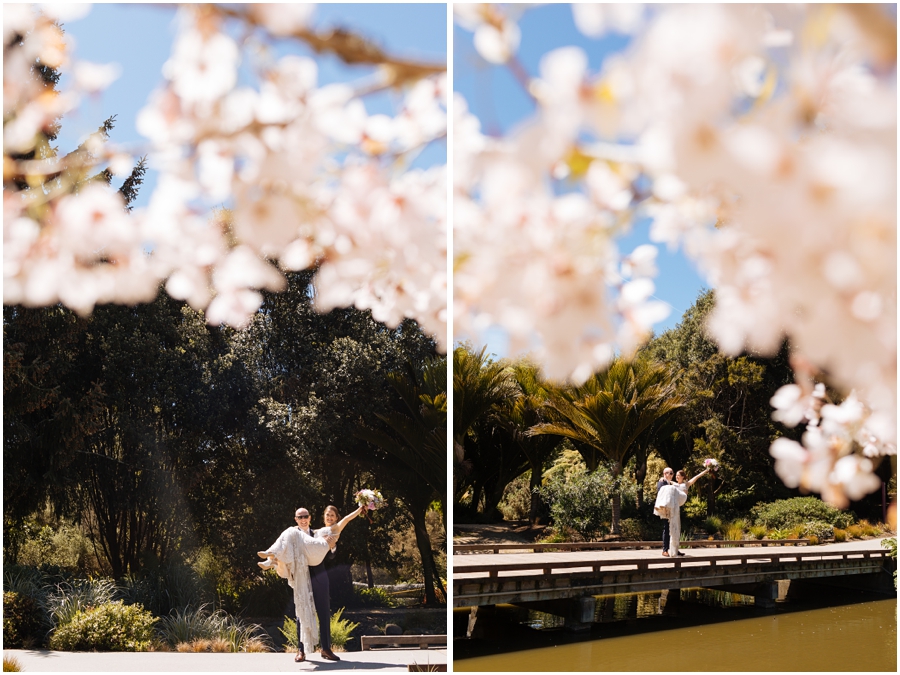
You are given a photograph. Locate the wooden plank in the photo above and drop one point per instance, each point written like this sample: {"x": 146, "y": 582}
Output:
{"x": 423, "y": 641}
{"x": 546, "y": 567}
{"x": 617, "y": 545}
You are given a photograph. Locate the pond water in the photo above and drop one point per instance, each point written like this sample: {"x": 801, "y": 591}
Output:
{"x": 703, "y": 630}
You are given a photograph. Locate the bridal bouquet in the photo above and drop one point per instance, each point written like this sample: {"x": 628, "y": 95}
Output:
{"x": 371, "y": 499}
{"x": 711, "y": 464}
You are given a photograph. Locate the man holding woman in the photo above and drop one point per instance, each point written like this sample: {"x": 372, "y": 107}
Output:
{"x": 670, "y": 497}
{"x": 298, "y": 554}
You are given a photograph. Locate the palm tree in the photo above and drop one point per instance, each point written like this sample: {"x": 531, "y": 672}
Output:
{"x": 606, "y": 417}
{"x": 479, "y": 385}
{"x": 521, "y": 414}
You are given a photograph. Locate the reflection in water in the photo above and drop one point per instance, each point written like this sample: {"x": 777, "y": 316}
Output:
{"x": 702, "y": 629}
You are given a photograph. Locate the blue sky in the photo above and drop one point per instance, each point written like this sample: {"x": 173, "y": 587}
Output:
{"x": 499, "y": 101}
{"x": 139, "y": 38}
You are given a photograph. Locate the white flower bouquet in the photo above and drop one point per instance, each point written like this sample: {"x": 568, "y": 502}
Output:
{"x": 371, "y": 499}
{"x": 711, "y": 464}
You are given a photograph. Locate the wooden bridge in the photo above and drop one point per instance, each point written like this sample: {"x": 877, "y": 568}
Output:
{"x": 534, "y": 579}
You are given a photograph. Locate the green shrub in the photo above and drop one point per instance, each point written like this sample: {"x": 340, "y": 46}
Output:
{"x": 694, "y": 508}
{"x": 583, "y": 502}
{"x": 634, "y": 529}
{"x": 787, "y": 513}
{"x": 289, "y": 630}
{"x": 374, "y": 597}
{"x": 713, "y": 525}
{"x": 22, "y": 624}
{"x": 516, "y": 501}
{"x": 341, "y": 629}
{"x": 64, "y": 547}
{"x": 817, "y": 529}
{"x": 263, "y": 596}
{"x": 112, "y": 627}
{"x": 776, "y": 534}
{"x": 557, "y": 535}
{"x": 758, "y": 531}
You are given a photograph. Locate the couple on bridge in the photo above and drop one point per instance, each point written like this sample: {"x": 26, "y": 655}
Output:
{"x": 298, "y": 556}
{"x": 670, "y": 497}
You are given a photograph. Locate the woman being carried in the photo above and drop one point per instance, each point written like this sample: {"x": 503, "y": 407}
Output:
{"x": 669, "y": 501}
{"x": 297, "y": 556}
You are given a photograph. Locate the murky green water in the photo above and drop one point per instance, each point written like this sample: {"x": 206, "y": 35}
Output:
{"x": 706, "y": 631}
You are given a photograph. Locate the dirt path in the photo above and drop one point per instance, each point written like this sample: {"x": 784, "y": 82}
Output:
{"x": 506, "y": 532}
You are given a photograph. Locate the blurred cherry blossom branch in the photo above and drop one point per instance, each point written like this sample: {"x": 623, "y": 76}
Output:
{"x": 310, "y": 177}
{"x": 759, "y": 138}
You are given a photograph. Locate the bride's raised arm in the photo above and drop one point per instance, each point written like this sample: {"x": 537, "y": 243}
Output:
{"x": 694, "y": 479}
{"x": 338, "y": 526}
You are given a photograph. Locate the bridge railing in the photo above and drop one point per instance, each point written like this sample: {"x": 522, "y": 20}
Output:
{"x": 622, "y": 545}
{"x": 546, "y": 567}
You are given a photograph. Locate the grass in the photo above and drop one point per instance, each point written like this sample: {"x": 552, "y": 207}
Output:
{"x": 855, "y": 532}
{"x": 11, "y": 664}
{"x": 70, "y": 598}
{"x": 840, "y": 535}
{"x": 758, "y": 531}
{"x": 712, "y": 525}
{"x": 734, "y": 531}
{"x": 197, "y": 630}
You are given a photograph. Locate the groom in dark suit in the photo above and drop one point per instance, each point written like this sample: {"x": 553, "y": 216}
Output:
{"x": 668, "y": 475}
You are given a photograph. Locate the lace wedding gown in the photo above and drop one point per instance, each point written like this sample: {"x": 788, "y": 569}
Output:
{"x": 669, "y": 501}
{"x": 293, "y": 552}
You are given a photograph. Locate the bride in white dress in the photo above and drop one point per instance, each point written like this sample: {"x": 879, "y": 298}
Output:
{"x": 669, "y": 501}
{"x": 291, "y": 555}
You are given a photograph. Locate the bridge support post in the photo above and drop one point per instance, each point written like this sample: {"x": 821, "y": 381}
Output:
{"x": 479, "y": 621}
{"x": 669, "y": 600}
{"x": 765, "y": 594}
{"x": 581, "y": 614}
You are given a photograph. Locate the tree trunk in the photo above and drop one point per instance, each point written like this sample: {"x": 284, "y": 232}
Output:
{"x": 616, "y": 510}
{"x": 640, "y": 473}
{"x": 536, "y": 503}
{"x": 710, "y": 497}
{"x": 423, "y": 542}
{"x": 370, "y": 579}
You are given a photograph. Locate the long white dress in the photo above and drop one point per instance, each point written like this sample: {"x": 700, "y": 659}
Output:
{"x": 669, "y": 501}
{"x": 294, "y": 551}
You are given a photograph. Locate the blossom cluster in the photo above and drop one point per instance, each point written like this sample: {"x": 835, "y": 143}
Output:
{"x": 759, "y": 138}
{"x": 310, "y": 178}
{"x": 839, "y": 443}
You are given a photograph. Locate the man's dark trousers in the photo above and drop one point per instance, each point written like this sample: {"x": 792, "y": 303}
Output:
{"x": 665, "y": 537}
{"x": 318, "y": 577}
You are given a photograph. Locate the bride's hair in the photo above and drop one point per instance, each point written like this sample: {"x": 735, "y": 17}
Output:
{"x": 337, "y": 514}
